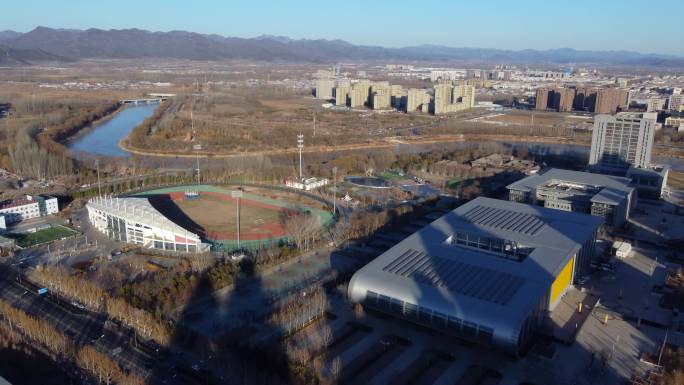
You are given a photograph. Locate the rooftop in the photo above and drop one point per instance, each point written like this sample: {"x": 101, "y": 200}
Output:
{"x": 608, "y": 188}
{"x": 483, "y": 274}
{"x": 137, "y": 210}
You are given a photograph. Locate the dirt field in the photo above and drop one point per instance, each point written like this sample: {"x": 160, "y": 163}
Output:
{"x": 676, "y": 180}
{"x": 540, "y": 118}
{"x": 215, "y": 214}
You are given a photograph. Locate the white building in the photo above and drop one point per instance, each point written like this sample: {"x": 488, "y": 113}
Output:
{"x": 622, "y": 249}
{"x": 134, "y": 220}
{"x": 27, "y": 208}
{"x": 306, "y": 184}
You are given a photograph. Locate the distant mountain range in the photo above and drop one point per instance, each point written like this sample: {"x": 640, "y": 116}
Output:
{"x": 63, "y": 45}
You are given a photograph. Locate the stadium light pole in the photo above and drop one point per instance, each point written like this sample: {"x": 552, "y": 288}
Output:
{"x": 197, "y": 148}
{"x": 237, "y": 194}
{"x": 99, "y": 185}
{"x": 300, "y": 145}
{"x": 334, "y": 170}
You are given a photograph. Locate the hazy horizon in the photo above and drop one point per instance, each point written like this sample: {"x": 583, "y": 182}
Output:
{"x": 610, "y": 25}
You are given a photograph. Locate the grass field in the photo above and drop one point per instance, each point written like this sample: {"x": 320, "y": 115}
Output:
{"x": 45, "y": 236}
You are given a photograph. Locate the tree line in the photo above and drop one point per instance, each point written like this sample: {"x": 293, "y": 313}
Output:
{"x": 58, "y": 280}
{"x": 41, "y": 332}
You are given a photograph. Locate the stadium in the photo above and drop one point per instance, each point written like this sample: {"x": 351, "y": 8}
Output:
{"x": 203, "y": 217}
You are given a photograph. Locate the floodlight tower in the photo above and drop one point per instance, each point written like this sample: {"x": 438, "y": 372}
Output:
{"x": 196, "y": 147}
{"x": 99, "y": 185}
{"x": 300, "y": 146}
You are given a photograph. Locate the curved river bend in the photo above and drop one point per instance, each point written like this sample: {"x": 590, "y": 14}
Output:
{"x": 104, "y": 138}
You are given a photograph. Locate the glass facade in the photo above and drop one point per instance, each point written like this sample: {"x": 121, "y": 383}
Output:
{"x": 425, "y": 316}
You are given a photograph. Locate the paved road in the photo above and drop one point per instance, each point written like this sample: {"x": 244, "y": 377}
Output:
{"x": 82, "y": 326}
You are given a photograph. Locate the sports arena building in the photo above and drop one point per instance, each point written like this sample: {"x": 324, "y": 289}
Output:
{"x": 134, "y": 220}
{"x": 488, "y": 272}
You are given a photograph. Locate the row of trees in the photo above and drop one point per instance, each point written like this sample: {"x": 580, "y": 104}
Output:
{"x": 58, "y": 280}
{"x": 165, "y": 291}
{"x": 41, "y": 332}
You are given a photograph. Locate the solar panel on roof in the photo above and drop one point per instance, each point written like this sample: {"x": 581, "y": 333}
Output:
{"x": 461, "y": 278}
{"x": 504, "y": 219}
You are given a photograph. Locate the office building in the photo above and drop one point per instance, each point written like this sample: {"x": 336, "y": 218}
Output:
{"x": 29, "y": 207}
{"x": 622, "y": 141}
{"x": 135, "y": 220}
{"x": 324, "y": 88}
{"x": 487, "y": 272}
{"x": 606, "y": 196}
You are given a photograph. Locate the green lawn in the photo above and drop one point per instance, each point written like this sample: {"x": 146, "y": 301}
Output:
{"x": 45, "y": 235}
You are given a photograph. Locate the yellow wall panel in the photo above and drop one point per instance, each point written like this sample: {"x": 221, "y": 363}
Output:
{"x": 562, "y": 281}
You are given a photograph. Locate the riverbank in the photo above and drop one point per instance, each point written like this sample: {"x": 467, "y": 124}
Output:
{"x": 87, "y": 129}
{"x": 102, "y": 139}
{"x": 385, "y": 143}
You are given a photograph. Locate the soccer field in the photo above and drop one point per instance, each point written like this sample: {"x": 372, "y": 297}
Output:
{"x": 45, "y": 236}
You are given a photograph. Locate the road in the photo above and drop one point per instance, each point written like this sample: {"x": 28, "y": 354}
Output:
{"x": 82, "y": 326}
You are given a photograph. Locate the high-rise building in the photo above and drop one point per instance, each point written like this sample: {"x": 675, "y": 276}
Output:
{"x": 415, "y": 99}
{"x": 399, "y": 96}
{"x": 675, "y": 102}
{"x": 655, "y": 104}
{"x": 449, "y": 98}
{"x": 341, "y": 95}
{"x": 443, "y": 94}
{"x": 381, "y": 98}
{"x": 609, "y": 100}
{"x": 542, "y": 99}
{"x": 324, "y": 88}
{"x": 585, "y": 99}
{"x": 566, "y": 97}
{"x": 622, "y": 141}
{"x": 465, "y": 95}
{"x": 360, "y": 93}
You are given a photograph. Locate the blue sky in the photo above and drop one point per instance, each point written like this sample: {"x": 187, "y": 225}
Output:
{"x": 599, "y": 24}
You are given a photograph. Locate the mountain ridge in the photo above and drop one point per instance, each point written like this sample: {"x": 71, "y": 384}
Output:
{"x": 137, "y": 43}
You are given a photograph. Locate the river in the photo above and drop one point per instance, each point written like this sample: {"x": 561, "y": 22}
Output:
{"x": 103, "y": 139}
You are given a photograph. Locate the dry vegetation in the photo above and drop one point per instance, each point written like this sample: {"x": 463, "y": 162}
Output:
{"x": 42, "y": 333}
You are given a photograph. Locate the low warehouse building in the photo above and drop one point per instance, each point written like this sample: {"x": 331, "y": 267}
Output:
{"x": 488, "y": 272}
{"x": 606, "y": 196}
